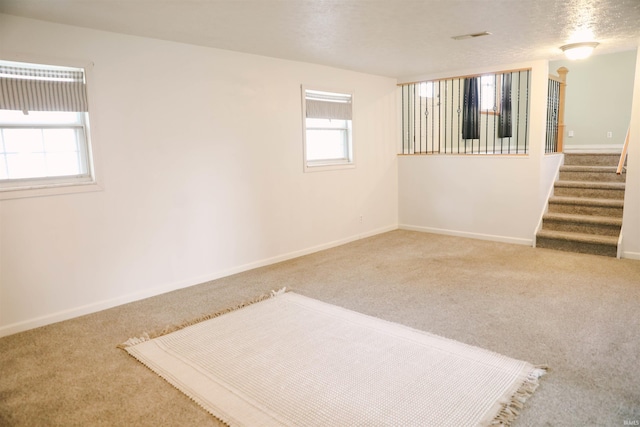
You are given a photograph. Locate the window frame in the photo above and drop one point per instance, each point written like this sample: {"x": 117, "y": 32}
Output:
{"x": 57, "y": 185}
{"x": 327, "y": 164}
{"x": 497, "y": 94}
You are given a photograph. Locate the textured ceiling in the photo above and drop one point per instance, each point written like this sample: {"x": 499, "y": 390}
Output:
{"x": 396, "y": 38}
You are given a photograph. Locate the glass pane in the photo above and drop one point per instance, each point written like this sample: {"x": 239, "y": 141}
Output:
{"x": 38, "y": 153}
{"x": 326, "y": 144}
{"x": 426, "y": 90}
{"x": 487, "y": 92}
{"x": 61, "y": 164}
{"x": 26, "y": 165}
{"x": 3, "y": 167}
{"x": 23, "y": 140}
{"x": 60, "y": 140}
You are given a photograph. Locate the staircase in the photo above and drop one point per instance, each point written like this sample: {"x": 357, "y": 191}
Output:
{"x": 585, "y": 211}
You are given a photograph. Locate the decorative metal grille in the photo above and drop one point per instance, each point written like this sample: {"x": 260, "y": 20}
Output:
{"x": 482, "y": 114}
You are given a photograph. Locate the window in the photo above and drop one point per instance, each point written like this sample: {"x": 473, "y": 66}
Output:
{"x": 426, "y": 89}
{"x": 328, "y": 141}
{"x": 490, "y": 94}
{"x": 44, "y": 138}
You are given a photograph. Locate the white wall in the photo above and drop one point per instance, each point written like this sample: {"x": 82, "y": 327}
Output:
{"x": 488, "y": 197}
{"x": 631, "y": 216}
{"x": 550, "y": 173}
{"x": 594, "y": 109}
{"x": 598, "y": 100}
{"x": 201, "y": 163}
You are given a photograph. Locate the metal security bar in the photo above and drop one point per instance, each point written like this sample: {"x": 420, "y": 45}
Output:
{"x": 479, "y": 114}
{"x": 553, "y": 108}
{"x": 555, "y": 111}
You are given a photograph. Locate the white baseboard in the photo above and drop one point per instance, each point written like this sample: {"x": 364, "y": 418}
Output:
{"x": 593, "y": 148}
{"x": 630, "y": 255}
{"x": 480, "y": 236}
{"x": 136, "y": 296}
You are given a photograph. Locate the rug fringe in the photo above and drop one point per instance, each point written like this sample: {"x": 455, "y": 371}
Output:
{"x": 149, "y": 336}
{"x": 134, "y": 340}
{"x": 511, "y": 409}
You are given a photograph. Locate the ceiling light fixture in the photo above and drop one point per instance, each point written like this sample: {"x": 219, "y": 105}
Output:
{"x": 579, "y": 50}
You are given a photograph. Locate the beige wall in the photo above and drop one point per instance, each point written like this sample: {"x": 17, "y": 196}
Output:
{"x": 200, "y": 154}
{"x": 599, "y": 94}
{"x": 487, "y": 197}
{"x": 631, "y": 218}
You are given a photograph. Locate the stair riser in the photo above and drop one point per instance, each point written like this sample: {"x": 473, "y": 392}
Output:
{"x": 578, "y": 227}
{"x": 588, "y": 235}
{"x": 585, "y": 210}
{"x": 591, "y": 176}
{"x": 591, "y": 159}
{"x": 572, "y": 246}
{"x": 592, "y": 193}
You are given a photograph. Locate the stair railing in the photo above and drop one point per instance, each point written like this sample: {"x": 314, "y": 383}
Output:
{"x": 562, "y": 73}
{"x": 623, "y": 156}
{"x": 555, "y": 111}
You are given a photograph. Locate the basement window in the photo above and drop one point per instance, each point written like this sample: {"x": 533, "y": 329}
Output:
{"x": 44, "y": 137}
{"x": 490, "y": 94}
{"x": 328, "y": 140}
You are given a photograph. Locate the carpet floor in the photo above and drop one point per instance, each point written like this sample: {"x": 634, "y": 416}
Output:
{"x": 578, "y": 314}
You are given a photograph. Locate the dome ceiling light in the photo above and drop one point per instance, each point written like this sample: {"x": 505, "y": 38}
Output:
{"x": 579, "y": 50}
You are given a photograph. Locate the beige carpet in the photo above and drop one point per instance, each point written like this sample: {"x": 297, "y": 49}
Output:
{"x": 289, "y": 360}
{"x": 576, "y": 313}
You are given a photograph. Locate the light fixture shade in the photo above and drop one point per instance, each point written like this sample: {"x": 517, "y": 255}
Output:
{"x": 579, "y": 50}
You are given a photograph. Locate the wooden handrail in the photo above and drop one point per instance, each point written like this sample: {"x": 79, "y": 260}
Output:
{"x": 623, "y": 156}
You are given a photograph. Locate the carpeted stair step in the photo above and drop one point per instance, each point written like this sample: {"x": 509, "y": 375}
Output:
{"x": 586, "y": 206}
{"x": 585, "y": 213}
{"x": 590, "y": 173}
{"x": 592, "y": 159}
{"x": 586, "y": 224}
{"x": 594, "y": 190}
{"x": 578, "y": 242}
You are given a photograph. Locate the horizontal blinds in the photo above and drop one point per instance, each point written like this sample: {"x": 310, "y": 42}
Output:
{"x": 42, "y": 89}
{"x": 325, "y": 105}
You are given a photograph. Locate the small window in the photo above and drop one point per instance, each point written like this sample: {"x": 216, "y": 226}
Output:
{"x": 490, "y": 94}
{"x": 426, "y": 89}
{"x": 328, "y": 141}
{"x": 44, "y": 138}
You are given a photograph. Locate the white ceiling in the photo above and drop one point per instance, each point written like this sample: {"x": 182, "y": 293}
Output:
{"x": 396, "y": 38}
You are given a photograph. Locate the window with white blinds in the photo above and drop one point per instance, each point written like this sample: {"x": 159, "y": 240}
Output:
{"x": 328, "y": 140}
{"x": 44, "y": 118}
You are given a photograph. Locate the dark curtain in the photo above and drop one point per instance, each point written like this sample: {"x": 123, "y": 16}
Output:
{"x": 471, "y": 109}
{"x": 504, "y": 123}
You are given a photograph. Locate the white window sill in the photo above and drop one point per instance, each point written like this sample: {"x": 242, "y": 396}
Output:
{"x": 48, "y": 190}
{"x": 321, "y": 167}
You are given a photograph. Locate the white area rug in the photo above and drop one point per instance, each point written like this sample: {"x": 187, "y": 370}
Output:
{"x": 293, "y": 361}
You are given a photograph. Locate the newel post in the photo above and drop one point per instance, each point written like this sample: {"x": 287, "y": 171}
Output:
{"x": 562, "y": 73}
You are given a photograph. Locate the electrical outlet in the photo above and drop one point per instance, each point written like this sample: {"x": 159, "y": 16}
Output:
{"x": 360, "y": 219}
{"x": 609, "y": 134}
{"x": 570, "y": 134}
